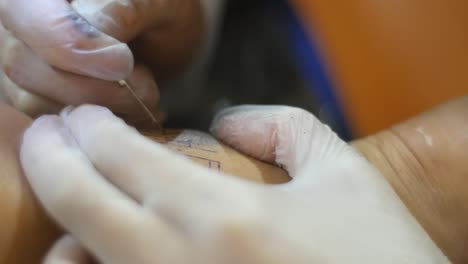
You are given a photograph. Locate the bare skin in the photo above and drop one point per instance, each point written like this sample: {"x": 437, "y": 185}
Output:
{"x": 423, "y": 159}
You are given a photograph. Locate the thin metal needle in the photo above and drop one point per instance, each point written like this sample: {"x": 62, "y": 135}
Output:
{"x": 145, "y": 108}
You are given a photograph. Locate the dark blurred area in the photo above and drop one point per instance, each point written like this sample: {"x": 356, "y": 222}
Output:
{"x": 360, "y": 66}
{"x": 253, "y": 64}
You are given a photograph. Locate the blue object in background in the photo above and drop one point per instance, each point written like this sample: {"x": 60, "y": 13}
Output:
{"x": 311, "y": 66}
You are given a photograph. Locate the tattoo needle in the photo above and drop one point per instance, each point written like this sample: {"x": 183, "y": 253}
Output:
{"x": 124, "y": 83}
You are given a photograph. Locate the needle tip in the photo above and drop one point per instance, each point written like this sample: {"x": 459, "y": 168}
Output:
{"x": 124, "y": 83}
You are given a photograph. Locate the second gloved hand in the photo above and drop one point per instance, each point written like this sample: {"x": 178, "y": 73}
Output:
{"x": 129, "y": 200}
{"x": 56, "y": 53}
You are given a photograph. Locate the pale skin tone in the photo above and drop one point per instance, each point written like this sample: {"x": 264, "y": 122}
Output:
{"x": 76, "y": 52}
{"x": 411, "y": 187}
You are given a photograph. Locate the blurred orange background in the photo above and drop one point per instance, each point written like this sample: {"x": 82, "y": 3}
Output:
{"x": 390, "y": 59}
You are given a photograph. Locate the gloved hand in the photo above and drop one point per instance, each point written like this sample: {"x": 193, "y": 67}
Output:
{"x": 129, "y": 200}
{"x": 58, "y": 52}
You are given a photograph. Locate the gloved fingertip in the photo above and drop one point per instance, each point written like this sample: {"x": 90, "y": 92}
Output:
{"x": 66, "y": 111}
{"x": 231, "y": 118}
{"x": 46, "y": 132}
{"x": 248, "y": 129}
{"x": 85, "y": 122}
{"x": 110, "y": 63}
{"x": 87, "y": 116}
{"x": 219, "y": 120}
{"x": 43, "y": 123}
{"x": 216, "y": 127}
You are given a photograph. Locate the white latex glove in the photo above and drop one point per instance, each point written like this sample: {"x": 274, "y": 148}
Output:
{"x": 127, "y": 199}
{"x": 60, "y": 52}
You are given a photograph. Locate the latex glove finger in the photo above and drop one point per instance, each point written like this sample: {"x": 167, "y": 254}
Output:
{"x": 65, "y": 39}
{"x": 82, "y": 201}
{"x": 67, "y": 250}
{"x": 30, "y": 72}
{"x": 25, "y": 101}
{"x": 124, "y": 19}
{"x": 153, "y": 176}
{"x": 289, "y": 136}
